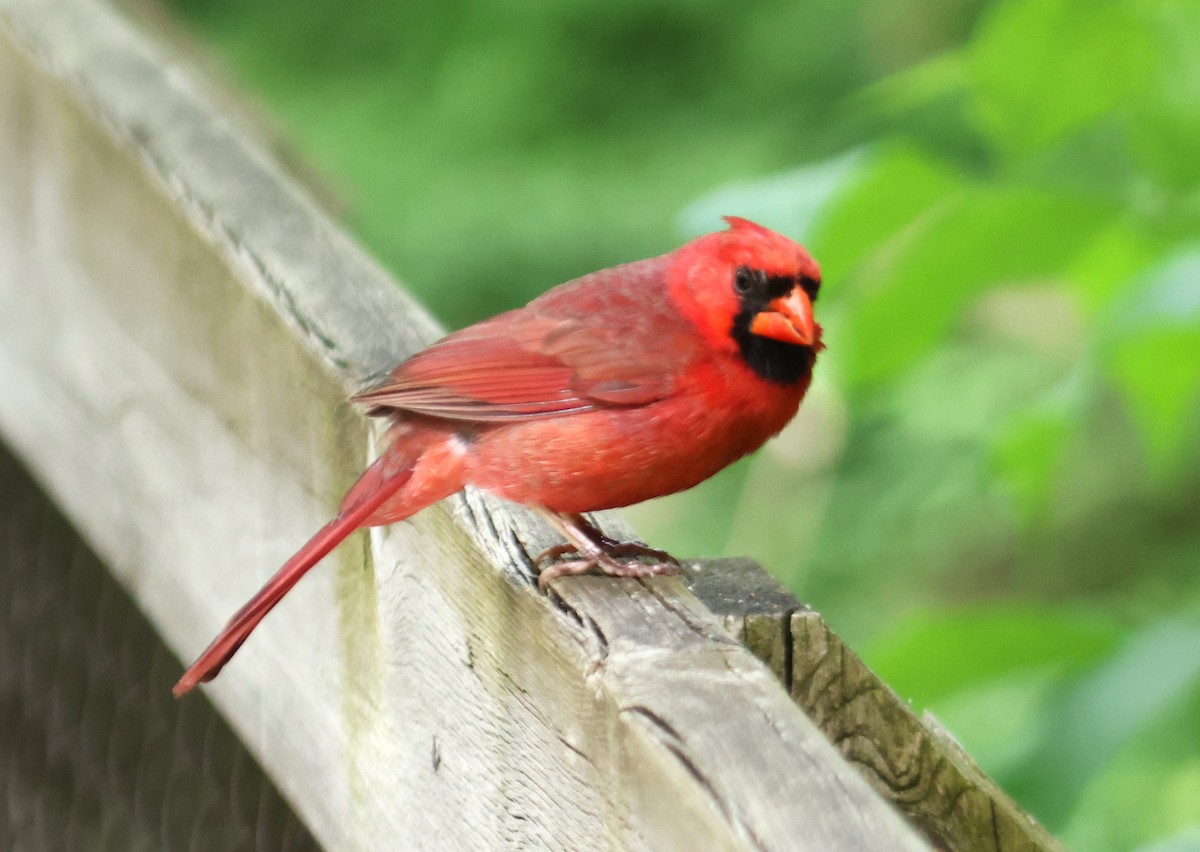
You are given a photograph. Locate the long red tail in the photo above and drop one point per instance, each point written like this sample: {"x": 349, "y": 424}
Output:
{"x": 382, "y": 480}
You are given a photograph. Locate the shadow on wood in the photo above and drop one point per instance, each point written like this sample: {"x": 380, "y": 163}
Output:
{"x": 94, "y": 754}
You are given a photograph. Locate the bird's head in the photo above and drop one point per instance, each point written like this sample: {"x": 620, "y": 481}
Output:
{"x": 750, "y": 290}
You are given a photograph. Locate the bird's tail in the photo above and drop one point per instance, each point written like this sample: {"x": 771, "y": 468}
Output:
{"x": 379, "y": 484}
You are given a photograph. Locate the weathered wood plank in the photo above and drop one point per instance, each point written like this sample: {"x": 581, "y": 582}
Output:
{"x": 914, "y": 763}
{"x": 178, "y": 327}
{"x": 919, "y": 768}
{"x": 754, "y": 607}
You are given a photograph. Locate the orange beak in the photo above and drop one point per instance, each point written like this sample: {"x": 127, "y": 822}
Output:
{"x": 789, "y": 319}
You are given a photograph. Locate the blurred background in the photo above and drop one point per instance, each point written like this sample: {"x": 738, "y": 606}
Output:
{"x": 993, "y": 491}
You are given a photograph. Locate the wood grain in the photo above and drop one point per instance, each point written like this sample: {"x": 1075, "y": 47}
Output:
{"x": 914, "y": 763}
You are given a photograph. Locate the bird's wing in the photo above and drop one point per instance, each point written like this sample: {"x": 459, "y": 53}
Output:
{"x": 609, "y": 339}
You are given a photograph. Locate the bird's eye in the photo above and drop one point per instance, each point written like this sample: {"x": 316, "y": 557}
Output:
{"x": 743, "y": 280}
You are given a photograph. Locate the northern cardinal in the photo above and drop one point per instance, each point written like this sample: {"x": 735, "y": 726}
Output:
{"x": 626, "y": 384}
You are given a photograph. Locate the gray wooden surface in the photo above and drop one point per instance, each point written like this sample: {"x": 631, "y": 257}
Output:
{"x": 178, "y": 328}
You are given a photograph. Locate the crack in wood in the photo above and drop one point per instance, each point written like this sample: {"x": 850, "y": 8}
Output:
{"x": 676, "y": 746}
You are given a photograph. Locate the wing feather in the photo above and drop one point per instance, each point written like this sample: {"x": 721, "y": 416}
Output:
{"x": 609, "y": 339}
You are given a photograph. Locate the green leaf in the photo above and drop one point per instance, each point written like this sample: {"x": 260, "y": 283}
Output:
{"x": 1152, "y": 352}
{"x": 1165, "y": 130}
{"x": 913, "y": 286}
{"x": 1101, "y": 271}
{"x": 890, "y": 191}
{"x": 1149, "y": 675}
{"x": 1159, "y": 374}
{"x": 1148, "y": 792}
{"x": 1043, "y": 69}
{"x": 1027, "y": 452}
{"x": 791, "y": 203}
{"x": 942, "y": 76}
{"x": 936, "y": 654}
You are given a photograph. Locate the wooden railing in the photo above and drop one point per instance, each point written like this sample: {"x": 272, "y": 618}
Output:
{"x": 179, "y": 326}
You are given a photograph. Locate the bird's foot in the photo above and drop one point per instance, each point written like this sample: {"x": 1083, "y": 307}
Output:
{"x": 612, "y": 547}
{"x": 607, "y": 566}
{"x": 598, "y": 554}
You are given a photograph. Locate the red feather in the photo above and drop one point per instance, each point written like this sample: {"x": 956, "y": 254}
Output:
{"x": 580, "y": 347}
{"x": 626, "y": 384}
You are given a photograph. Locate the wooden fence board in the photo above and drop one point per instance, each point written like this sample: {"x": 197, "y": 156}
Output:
{"x": 913, "y": 762}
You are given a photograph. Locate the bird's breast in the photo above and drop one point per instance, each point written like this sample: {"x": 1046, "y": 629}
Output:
{"x": 612, "y": 457}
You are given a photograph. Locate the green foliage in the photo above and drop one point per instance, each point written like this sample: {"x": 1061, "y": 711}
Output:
{"x": 994, "y": 487}
{"x": 1069, "y": 229}
{"x": 1043, "y": 70}
{"x": 488, "y": 150}
{"x": 971, "y": 238}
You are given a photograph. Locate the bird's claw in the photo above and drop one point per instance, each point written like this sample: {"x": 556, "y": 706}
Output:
{"x": 607, "y": 568}
{"x": 611, "y": 547}
{"x": 618, "y": 559}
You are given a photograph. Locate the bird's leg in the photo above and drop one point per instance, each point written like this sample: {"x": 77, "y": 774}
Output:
{"x": 611, "y": 546}
{"x": 597, "y": 552}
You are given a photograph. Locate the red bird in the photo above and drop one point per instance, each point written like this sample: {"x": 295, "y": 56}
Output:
{"x": 623, "y": 385}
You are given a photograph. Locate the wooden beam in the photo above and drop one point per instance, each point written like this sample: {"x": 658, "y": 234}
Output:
{"x": 914, "y": 763}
